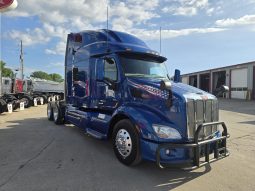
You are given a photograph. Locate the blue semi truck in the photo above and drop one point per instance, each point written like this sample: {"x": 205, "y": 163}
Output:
{"x": 117, "y": 88}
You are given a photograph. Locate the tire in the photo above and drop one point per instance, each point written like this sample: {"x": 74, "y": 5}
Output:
{"x": 11, "y": 97}
{"x": 125, "y": 133}
{"x": 28, "y": 101}
{"x": 49, "y": 112}
{"x": 15, "y": 105}
{"x": 45, "y": 99}
{"x": 57, "y": 115}
{"x": 3, "y": 106}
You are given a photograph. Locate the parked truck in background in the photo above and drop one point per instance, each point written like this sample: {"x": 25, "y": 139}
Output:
{"x": 29, "y": 91}
{"x": 9, "y": 86}
{"x": 46, "y": 89}
{"x": 117, "y": 88}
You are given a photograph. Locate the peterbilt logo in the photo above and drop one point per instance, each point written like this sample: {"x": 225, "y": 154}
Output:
{"x": 6, "y": 5}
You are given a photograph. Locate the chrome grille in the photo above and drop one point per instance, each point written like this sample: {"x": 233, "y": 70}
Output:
{"x": 201, "y": 111}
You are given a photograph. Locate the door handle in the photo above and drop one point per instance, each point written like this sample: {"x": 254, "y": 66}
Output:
{"x": 101, "y": 102}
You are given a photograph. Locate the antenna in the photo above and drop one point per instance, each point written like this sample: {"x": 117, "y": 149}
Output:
{"x": 107, "y": 18}
{"x": 160, "y": 40}
{"x": 107, "y": 30}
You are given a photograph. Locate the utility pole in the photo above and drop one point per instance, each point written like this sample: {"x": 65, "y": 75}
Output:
{"x": 21, "y": 60}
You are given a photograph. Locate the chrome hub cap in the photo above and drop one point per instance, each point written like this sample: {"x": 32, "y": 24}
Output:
{"x": 123, "y": 143}
{"x": 55, "y": 113}
{"x": 25, "y": 101}
{"x": 49, "y": 112}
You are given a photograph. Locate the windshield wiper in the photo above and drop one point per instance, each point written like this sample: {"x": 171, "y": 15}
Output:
{"x": 145, "y": 75}
{"x": 156, "y": 76}
{"x": 138, "y": 75}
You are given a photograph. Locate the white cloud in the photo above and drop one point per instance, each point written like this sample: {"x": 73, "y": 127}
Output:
{"x": 188, "y": 7}
{"x": 59, "y": 49}
{"x": 36, "y": 36}
{"x": 59, "y": 17}
{"x": 56, "y": 64}
{"x": 186, "y": 11}
{"x": 62, "y": 11}
{"x": 229, "y": 22}
{"x": 133, "y": 12}
{"x": 167, "y": 34}
{"x": 210, "y": 11}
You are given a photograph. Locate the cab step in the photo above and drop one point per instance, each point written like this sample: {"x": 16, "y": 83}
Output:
{"x": 95, "y": 134}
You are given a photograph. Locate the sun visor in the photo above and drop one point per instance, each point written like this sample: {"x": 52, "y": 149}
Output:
{"x": 149, "y": 56}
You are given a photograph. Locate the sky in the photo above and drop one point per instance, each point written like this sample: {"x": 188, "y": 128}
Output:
{"x": 196, "y": 34}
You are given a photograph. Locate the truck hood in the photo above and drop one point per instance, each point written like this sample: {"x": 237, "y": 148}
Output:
{"x": 150, "y": 97}
{"x": 152, "y": 88}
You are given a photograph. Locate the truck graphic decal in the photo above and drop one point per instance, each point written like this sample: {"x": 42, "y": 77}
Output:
{"x": 164, "y": 94}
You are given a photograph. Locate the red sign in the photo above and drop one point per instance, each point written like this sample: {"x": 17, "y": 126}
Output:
{"x": 7, "y": 4}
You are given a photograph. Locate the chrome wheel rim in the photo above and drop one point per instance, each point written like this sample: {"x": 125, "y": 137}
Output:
{"x": 25, "y": 101}
{"x": 55, "y": 114}
{"x": 123, "y": 143}
{"x": 49, "y": 112}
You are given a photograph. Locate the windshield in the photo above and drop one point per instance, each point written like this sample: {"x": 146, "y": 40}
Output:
{"x": 143, "y": 68}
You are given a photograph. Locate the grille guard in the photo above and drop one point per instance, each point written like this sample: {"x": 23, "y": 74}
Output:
{"x": 219, "y": 153}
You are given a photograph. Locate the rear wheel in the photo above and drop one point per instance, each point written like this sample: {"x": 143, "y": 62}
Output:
{"x": 45, "y": 99}
{"x": 3, "y": 106}
{"x": 125, "y": 142}
{"x": 28, "y": 101}
{"x": 57, "y": 115}
{"x": 49, "y": 112}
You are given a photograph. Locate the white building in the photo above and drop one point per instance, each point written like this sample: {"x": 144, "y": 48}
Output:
{"x": 240, "y": 78}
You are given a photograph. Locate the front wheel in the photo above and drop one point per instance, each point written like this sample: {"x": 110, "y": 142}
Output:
{"x": 125, "y": 141}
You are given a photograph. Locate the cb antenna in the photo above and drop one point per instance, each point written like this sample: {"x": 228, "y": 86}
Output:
{"x": 107, "y": 29}
{"x": 107, "y": 18}
{"x": 160, "y": 40}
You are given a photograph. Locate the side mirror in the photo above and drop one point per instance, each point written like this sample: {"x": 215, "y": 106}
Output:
{"x": 166, "y": 85}
{"x": 177, "y": 75}
{"x": 109, "y": 60}
{"x": 75, "y": 74}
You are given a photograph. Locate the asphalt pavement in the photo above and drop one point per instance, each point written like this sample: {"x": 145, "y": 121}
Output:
{"x": 36, "y": 154}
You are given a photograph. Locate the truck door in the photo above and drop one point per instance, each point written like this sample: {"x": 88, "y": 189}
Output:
{"x": 107, "y": 90}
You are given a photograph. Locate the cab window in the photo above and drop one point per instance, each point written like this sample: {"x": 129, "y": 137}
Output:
{"x": 110, "y": 69}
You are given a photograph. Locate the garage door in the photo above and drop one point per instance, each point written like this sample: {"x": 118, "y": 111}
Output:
{"x": 239, "y": 83}
{"x": 185, "y": 80}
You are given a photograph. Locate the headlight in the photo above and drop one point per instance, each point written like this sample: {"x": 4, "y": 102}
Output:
{"x": 166, "y": 132}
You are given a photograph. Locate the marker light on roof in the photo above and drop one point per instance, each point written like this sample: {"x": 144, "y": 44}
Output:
{"x": 78, "y": 38}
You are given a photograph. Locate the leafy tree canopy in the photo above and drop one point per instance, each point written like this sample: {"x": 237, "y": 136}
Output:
{"x": 6, "y": 72}
{"x": 43, "y": 75}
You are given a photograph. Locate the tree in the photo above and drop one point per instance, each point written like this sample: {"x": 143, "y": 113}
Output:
{"x": 6, "y": 72}
{"x": 43, "y": 75}
{"x": 56, "y": 77}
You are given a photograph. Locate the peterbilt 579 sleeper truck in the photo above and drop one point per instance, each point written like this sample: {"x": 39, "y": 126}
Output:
{"x": 117, "y": 88}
